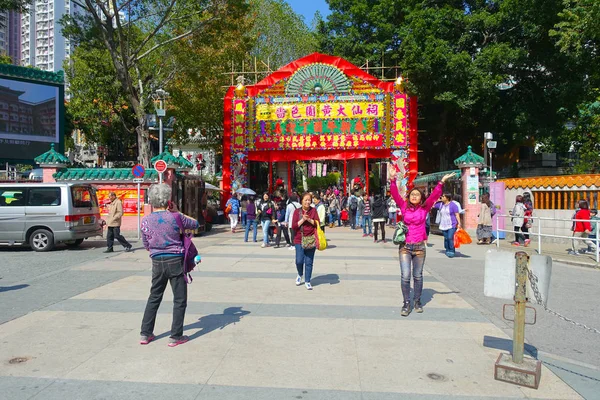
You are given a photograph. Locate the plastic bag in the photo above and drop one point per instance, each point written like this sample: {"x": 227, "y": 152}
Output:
{"x": 461, "y": 237}
{"x": 321, "y": 240}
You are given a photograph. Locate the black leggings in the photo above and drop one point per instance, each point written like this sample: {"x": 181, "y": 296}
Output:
{"x": 379, "y": 225}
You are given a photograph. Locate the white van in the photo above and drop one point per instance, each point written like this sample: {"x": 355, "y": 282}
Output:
{"x": 44, "y": 214}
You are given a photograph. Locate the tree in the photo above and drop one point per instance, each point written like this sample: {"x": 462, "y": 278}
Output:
{"x": 139, "y": 36}
{"x": 457, "y": 55}
{"x": 15, "y": 5}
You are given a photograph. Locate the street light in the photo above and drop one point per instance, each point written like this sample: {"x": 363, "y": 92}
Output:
{"x": 160, "y": 95}
{"x": 491, "y": 145}
{"x": 487, "y": 136}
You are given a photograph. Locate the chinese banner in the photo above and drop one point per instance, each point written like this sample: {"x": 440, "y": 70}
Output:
{"x": 399, "y": 131}
{"x": 127, "y": 196}
{"x": 319, "y": 142}
{"x": 239, "y": 124}
{"x": 283, "y": 112}
{"x": 330, "y": 126}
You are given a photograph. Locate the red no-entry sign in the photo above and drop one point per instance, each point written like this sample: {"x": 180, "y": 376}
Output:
{"x": 160, "y": 166}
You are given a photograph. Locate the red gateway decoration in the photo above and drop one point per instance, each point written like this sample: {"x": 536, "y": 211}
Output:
{"x": 319, "y": 107}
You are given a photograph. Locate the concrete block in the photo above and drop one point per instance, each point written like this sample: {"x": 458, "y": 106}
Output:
{"x": 527, "y": 373}
{"x": 499, "y": 275}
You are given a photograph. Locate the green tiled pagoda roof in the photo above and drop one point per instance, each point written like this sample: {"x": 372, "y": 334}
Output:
{"x": 435, "y": 177}
{"x": 52, "y": 157}
{"x": 183, "y": 162}
{"x": 102, "y": 174}
{"x": 469, "y": 158}
{"x": 32, "y": 73}
{"x": 171, "y": 160}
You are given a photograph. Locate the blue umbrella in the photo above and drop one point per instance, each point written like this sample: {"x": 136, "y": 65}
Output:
{"x": 246, "y": 191}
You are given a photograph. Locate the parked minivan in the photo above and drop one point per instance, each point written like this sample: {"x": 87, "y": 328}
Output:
{"x": 44, "y": 214}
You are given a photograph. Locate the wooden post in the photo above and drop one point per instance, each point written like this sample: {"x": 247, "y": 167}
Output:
{"x": 520, "y": 303}
{"x": 346, "y": 178}
{"x": 367, "y": 175}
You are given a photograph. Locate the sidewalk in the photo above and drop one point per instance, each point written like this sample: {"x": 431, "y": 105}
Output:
{"x": 255, "y": 335}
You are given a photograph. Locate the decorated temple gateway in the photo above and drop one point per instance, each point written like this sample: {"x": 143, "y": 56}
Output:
{"x": 319, "y": 107}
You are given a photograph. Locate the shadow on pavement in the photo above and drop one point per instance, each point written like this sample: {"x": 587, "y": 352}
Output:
{"x": 332, "y": 279}
{"x": 212, "y": 322}
{"x": 427, "y": 295}
{"x": 506, "y": 345}
{"x": 9, "y": 288}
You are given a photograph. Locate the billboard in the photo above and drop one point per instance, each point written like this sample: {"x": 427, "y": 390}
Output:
{"x": 30, "y": 115}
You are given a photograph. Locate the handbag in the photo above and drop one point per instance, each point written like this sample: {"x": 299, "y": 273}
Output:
{"x": 189, "y": 250}
{"x": 307, "y": 242}
{"x": 399, "y": 237}
{"x": 322, "y": 240}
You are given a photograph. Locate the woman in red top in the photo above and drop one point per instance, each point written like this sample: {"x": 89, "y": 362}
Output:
{"x": 304, "y": 223}
{"x": 582, "y": 228}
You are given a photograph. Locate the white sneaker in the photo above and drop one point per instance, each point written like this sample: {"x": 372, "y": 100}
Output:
{"x": 292, "y": 248}
{"x": 263, "y": 245}
{"x": 308, "y": 286}
{"x": 298, "y": 280}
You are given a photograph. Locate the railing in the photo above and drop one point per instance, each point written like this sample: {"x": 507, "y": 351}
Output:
{"x": 540, "y": 234}
{"x": 564, "y": 199}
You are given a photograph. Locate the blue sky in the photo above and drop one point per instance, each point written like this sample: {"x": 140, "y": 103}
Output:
{"x": 33, "y": 93}
{"x": 307, "y": 8}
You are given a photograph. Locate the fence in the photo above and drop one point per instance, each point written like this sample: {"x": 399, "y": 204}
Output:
{"x": 539, "y": 232}
{"x": 564, "y": 199}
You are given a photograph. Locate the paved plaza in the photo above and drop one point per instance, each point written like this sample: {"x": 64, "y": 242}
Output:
{"x": 255, "y": 335}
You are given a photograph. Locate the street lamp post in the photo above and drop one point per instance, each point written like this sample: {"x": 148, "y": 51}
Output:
{"x": 160, "y": 95}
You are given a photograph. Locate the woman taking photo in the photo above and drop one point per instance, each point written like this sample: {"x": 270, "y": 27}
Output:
{"x": 412, "y": 254}
{"x": 449, "y": 222}
{"x": 304, "y": 223}
{"x": 484, "y": 221}
{"x": 162, "y": 238}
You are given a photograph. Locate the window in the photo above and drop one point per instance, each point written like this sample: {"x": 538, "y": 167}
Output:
{"x": 12, "y": 197}
{"x": 83, "y": 197}
{"x": 44, "y": 196}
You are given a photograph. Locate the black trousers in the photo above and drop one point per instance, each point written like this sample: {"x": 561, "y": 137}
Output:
{"x": 284, "y": 229}
{"x": 166, "y": 270}
{"x": 379, "y": 225}
{"x": 114, "y": 232}
{"x": 352, "y": 219}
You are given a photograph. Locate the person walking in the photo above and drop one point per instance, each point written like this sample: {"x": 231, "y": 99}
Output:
{"x": 266, "y": 213}
{"x": 527, "y": 221}
{"x": 484, "y": 220}
{"x": 321, "y": 211}
{"x": 412, "y": 254}
{"x": 243, "y": 209}
{"x": 594, "y": 222}
{"x": 449, "y": 222}
{"x": 353, "y": 210}
{"x": 379, "y": 216}
{"x": 233, "y": 206}
{"x": 304, "y": 222}
{"x": 518, "y": 219}
{"x": 360, "y": 212}
{"x": 292, "y": 206}
{"x": 581, "y": 229}
{"x": 163, "y": 239}
{"x": 392, "y": 212}
{"x": 366, "y": 216}
{"x": 251, "y": 221}
{"x": 334, "y": 209}
{"x": 113, "y": 223}
{"x": 282, "y": 225}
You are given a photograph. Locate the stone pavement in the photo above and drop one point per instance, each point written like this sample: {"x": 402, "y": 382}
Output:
{"x": 255, "y": 335}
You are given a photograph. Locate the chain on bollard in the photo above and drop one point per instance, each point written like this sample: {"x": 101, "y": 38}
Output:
{"x": 538, "y": 297}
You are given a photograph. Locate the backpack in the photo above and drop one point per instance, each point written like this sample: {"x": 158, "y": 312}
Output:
{"x": 353, "y": 204}
{"x": 189, "y": 250}
{"x": 399, "y": 237}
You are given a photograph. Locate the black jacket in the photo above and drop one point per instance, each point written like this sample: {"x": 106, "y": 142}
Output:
{"x": 378, "y": 208}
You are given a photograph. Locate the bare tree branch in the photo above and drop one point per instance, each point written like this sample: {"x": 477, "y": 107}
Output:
{"x": 157, "y": 28}
{"x": 174, "y": 39}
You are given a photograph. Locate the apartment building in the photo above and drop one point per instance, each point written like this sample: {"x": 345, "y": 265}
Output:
{"x": 10, "y": 35}
{"x": 42, "y": 43}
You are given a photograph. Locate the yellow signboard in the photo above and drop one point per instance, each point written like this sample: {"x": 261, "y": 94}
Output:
{"x": 329, "y": 110}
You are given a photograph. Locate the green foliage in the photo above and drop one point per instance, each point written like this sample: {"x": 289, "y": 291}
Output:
{"x": 322, "y": 182}
{"x": 5, "y": 59}
{"x": 456, "y": 55}
{"x": 14, "y": 5}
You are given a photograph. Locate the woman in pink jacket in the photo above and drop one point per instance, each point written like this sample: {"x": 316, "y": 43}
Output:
{"x": 412, "y": 254}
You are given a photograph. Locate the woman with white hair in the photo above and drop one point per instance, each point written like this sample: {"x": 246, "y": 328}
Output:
{"x": 163, "y": 239}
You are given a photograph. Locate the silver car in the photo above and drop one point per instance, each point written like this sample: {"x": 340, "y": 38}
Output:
{"x": 44, "y": 214}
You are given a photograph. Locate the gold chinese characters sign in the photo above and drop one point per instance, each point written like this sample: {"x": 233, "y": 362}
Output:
{"x": 328, "y": 110}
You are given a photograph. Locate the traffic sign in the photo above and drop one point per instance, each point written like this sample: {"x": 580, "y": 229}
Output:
{"x": 160, "y": 166}
{"x": 138, "y": 171}
{"x": 138, "y": 180}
